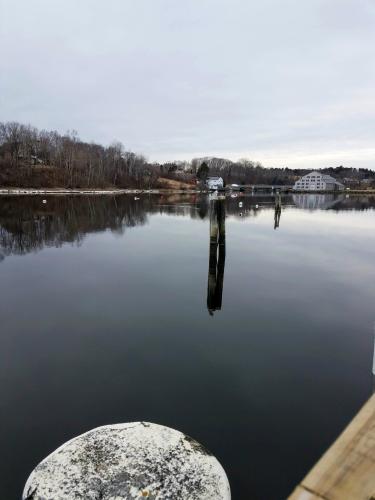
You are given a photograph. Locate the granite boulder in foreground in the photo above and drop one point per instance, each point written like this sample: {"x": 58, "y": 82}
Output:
{"x": 129, "y": 461}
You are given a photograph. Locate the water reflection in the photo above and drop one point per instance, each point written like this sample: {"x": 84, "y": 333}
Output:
{"x": 27, "y": 225}
{"x": 119, "y": 329}
{"x": 217, "y": 255}
{"x": 317, "y": 201}
{"x": 277, "y": 210}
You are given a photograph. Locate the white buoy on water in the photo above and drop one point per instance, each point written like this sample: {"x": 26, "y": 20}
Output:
{"x": 44, "y": 201}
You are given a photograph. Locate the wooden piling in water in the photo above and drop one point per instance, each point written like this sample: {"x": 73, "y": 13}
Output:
{"x": 214, "y": 225}
{"x": 221, "y": 221}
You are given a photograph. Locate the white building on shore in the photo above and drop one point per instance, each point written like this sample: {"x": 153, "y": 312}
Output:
{"x": 215, "y": 183}
{"x": 316, "y": 181}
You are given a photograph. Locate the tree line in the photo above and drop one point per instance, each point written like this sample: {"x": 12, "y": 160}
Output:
{"x": 40, "y": 158}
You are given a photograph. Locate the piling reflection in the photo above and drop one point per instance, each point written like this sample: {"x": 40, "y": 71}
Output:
{"x": 277, "y": 210}
{"x": 217, "y": 255}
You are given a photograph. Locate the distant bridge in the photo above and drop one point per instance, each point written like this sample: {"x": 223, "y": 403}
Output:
{"x": 264, "y": 187}
{"x": 268, "y": 187}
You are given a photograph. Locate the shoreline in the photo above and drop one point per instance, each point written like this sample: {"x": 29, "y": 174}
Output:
{"x": 80, "y": 192}
{"x": 62, "y": 191}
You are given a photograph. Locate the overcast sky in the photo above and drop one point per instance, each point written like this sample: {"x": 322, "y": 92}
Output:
{"x": 284, "y": 82}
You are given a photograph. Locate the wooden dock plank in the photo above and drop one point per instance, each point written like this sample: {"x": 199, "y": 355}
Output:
{"x": 301, "y": 494}
{"x": 347, "y": 470}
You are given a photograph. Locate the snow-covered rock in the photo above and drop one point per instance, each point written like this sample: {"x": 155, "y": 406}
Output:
{"x": 129, "y": 461}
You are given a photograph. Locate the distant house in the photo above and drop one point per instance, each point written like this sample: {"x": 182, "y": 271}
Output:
{"x": 316, "y": 181}
{"x": 35, "y": 160}
{"x": 215, "y": 183}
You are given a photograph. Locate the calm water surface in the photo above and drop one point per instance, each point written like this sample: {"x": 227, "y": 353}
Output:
{"x": 105, "y": 318}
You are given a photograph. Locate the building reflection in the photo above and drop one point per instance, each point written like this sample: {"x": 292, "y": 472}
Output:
{"x": 217, "y": 255}
{"x": 316, "y": 201}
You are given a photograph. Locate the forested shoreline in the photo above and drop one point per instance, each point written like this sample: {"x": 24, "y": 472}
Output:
{"x": 32, "y": 158}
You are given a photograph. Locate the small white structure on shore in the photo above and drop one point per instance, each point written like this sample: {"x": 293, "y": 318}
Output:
{"x": 215, "y": 183}
{"x": 129, "y": 461}
{"x": 316, "y": 181}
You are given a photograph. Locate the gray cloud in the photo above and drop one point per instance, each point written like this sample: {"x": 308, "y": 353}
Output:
{"x": 285, "y": 83}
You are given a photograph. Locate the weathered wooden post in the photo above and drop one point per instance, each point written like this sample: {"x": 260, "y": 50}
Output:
{"x": 221, "y": 221}
{"x": 214, "y": 223}
{"x": 217, "y": 256}
{"x": 129, "y": 461}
